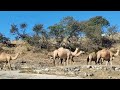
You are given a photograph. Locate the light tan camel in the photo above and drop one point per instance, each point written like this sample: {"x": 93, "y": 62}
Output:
{"x": 92, "y": 57}
{"x": 4, "y": 57}
{"x": 63, "y": 54}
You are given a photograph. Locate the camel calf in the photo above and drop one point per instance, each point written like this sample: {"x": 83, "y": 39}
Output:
{"x": 92, "y": 57}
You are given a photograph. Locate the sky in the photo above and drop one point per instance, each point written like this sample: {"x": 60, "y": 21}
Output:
{"x": 48, "y": 18}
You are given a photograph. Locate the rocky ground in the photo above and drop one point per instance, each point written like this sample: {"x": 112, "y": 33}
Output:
{"x": 17, "y": 75}
{"x": 38, "y": 66}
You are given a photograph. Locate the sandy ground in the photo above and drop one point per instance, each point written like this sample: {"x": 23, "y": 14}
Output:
{"x": 17, "y": 75}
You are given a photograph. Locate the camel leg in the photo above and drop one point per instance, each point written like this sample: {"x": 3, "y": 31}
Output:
{"x": 2, "y": 65}
{"x": 64, "y": 63}
{"x": 68, "y": 59}
{"x": 54, "y": 62}
{"x": 58, "y": 62}
{"x": 87, "y": 60}
{"x": 95, "y": 62}
{"x": 90, "y": 62}
{"x": 71, "y": 61}
{"x": 106, "y": 63}
{"x": 111, "y": 63}
{"x": 61, "y": 61}
{"x": 101, "y": 61}
{"x": 9, "y": 65}
{"x": 98, "y": 59}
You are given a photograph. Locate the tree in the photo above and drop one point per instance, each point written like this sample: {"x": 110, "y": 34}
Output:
{"x": 57, "y": 32}
{"x": 99, "y": 20}
{"x": 38, "y": 28}
{"x": 19, "y": 32}
{"x": 112, "y": 30}
{"x": 93, "y": 28}
{"x": 23, "y": 26}
{"x": 72, "y": 29}
{"x": 69, "y": 25}
{"x": 39, "y": 39}
{"x": 3, "y": 38}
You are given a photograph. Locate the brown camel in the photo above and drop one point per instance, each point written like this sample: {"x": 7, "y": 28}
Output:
{"x": 4, "y": 57}
{"x": 104, "y": 54}
{"x": 113, "y": 55}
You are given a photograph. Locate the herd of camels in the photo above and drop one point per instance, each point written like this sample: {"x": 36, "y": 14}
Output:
{"x": 97, "y": 57}
{"x": 67, "y": 55}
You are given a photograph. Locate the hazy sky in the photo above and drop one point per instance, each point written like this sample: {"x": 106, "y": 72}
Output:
{"x": 48, "y": 18}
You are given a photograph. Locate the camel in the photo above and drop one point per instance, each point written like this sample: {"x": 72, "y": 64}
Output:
{"x": 92, "y": 57}
{"x": 112, "y": 56}
{"x": 106, "y": 55}
{"x": 71, "y": 55}
{"x": 4, "y": 57}
{"x": 102, "y": 55}
{"x": 63, "y": 53}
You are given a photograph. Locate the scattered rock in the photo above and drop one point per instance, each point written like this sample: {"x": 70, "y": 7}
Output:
{"x": 117, "y": 69}
{"x": 113, "y": 67}
{"x": 76, "y": 69}
{"x": 89, "y": 66}
{"x": 110, "y": 77}
{"x": 90, "y": 74}
{"x": 46, "y": 69}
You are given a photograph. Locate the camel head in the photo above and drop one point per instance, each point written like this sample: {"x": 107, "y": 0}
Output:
{"x": 82, "y": 52}
{"x": 75, "y": 52}
{"x": 79, "y": 53}
{"x": 117, "y": 53}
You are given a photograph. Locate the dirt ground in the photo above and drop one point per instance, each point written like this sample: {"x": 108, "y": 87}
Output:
{"x": 17, "y": 75}
{"x": 40, "y": 62}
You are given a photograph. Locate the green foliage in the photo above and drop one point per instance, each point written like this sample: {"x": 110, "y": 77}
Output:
{"x": 3, "y": 38}
{"x": 71, "y": 26}
{"x": 14, "y": 29}
{"x": 99, "y": 20}
{"x": 70, "y": 29}
{"x": 38, "y": 28}
{"x": 56, "y": 30}
{"x": 19, "y": 32}
{"x": 112, "y": 30}
{"x": 23, "y": 26}
{"x": 93, "y": 28}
